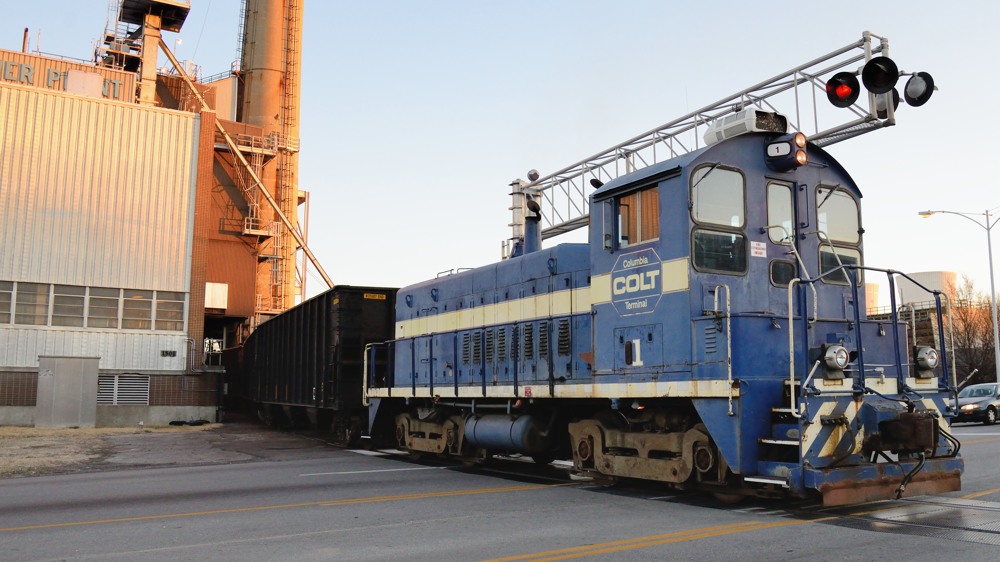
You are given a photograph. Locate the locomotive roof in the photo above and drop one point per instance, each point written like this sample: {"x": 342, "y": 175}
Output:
{"x": 749, "y": 141}
{"x": 557, "y": 260}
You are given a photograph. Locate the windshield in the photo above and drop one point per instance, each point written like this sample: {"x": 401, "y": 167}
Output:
{"x": 978, "y": 391}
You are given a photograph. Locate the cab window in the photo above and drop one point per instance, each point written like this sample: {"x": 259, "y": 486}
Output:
{"x": 782, "y": 273}
{"x": 720, "y": 252}
{"x": 638, "y": 216}
{"x": 717, "y": 196}
{"x": 718, "y": 243}
{"x": 779, "y": 212}
{"x": 837, "y": 216}
{"x": 828, "y": 260}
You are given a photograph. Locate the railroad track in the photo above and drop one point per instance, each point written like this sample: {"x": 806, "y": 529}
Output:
{"x": 953, "y": 518}
{"x": 958, "y": 519}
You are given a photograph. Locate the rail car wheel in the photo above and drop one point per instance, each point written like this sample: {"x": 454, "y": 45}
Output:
{"x": 728, "y": 499}
{"x": 346, "y": 431}
{"x": 266, "y": 416}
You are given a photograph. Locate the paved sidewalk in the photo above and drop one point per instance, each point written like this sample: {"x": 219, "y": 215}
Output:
{"x": 224, "y": 443}
{"x": 37, "y": 452}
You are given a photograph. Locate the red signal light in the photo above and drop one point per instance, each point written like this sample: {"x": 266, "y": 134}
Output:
{"x": 843, "y": 89}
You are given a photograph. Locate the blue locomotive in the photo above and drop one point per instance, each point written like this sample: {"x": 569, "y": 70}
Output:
{"x": 711, "y": 335}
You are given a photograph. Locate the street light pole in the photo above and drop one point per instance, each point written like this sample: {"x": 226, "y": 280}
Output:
{"x": 988, "y": 226}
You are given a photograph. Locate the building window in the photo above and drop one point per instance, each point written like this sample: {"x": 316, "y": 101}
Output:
{"x": 102, "y": 311}
{"x": 122, "y": 390}
{"x": 6, "y": 297}
{"x": 67, "y": 305}
{"x": 32, "y": 304}
{"x": 169, "y": 311}
{"x": 137, "y": 310}
{"x": 74, "y": 306}
{"x": 639, "y": 217}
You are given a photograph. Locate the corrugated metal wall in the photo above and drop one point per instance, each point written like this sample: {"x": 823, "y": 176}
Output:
{"x": 95, "y": 193}
{"x": 117, "y": 350}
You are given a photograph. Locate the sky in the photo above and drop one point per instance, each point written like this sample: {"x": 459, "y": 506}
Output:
{"x": 416, "y": 116}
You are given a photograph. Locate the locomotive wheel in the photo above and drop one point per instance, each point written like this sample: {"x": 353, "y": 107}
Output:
{"x": 605, "y": 481}
{"x": 543, "y": 458}
{"x": 480, "y": 457}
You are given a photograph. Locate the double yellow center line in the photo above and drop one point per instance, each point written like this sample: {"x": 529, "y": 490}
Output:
{"x": 653, "y": 540}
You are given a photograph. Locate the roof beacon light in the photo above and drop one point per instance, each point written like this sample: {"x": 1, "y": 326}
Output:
{"x": 749, "y": 120}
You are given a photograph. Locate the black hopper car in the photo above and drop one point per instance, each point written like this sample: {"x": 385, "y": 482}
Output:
{"x": 305, "y": 367}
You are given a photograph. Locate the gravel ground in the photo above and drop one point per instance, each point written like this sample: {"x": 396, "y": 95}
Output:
{"x": 27, "y": 451}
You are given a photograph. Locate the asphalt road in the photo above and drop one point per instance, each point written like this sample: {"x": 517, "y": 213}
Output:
{"x": 293, "y": 498}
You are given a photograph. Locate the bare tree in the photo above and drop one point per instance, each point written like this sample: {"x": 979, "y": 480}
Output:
{"x": 973, "y": 332}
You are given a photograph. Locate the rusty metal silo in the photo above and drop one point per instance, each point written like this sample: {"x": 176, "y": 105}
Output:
{"x": 270, "y": 67}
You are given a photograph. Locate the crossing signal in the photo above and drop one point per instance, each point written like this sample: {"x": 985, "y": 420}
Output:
{"x": 882, "y": 103}
{"x": 918, "y": 89}
{"x": 879, "y": 76}
{"x": 843, "y": 89}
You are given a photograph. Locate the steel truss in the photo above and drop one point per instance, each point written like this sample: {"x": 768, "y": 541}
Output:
{"x": 799, "y": 93}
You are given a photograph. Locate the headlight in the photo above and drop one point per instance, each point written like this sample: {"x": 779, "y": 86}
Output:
{"x": 836, "y": 357}
{"x": 968, "y": 407}
{"x": 927, "y": 358}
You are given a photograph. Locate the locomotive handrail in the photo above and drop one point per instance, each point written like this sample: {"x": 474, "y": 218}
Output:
{"x": 791, "y": 336}
{"x": 371, "y": 349}
{"x": 948, "y": 374}
{"x": 788, "y": 236}
{"x": 729, "y": 341}
{"x": 364, "y": 376}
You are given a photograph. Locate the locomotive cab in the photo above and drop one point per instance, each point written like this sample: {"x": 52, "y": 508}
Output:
{"x": 728, "y": 285}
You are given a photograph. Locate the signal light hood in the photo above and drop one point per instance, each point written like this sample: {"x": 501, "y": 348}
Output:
{"x": 918, "y": 89}
{"x": 880, "y": 75}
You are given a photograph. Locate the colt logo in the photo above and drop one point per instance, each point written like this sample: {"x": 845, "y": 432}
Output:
{"x": 635, "y": 282}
